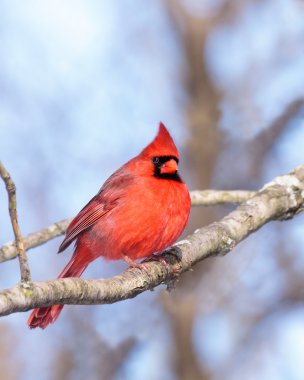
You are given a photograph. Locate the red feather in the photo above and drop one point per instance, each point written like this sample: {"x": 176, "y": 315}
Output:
{"x": 140, "y": 210}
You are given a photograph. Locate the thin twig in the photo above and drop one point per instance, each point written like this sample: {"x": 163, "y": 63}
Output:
{"x": 8, "y": 251}
{"x": 12, "y": 207}
{"x": 198, "y": 198}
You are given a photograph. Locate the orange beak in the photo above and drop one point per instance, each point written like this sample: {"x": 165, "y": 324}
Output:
{"x": 169, "y": 167}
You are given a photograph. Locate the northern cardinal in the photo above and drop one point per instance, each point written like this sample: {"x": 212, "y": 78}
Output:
{"x": 141, "y": 209}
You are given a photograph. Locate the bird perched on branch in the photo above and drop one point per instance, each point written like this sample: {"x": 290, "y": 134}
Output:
{"x": 141, "y": 209}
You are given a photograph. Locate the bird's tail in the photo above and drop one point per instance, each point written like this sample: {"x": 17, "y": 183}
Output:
{"x": 43, "y": 316}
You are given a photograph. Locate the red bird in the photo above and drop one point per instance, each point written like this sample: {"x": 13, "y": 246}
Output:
{"x": 141, "y": 209}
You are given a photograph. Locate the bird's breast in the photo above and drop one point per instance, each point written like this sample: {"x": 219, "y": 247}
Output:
{"x": 146, "y": 220}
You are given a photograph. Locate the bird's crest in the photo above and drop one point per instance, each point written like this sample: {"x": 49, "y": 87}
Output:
{"x": 162, "y": 145}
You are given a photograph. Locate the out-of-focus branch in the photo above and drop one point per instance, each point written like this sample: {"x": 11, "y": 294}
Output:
{"x": 198, "y": 198}
{"x": 278, "y": 200}
{"x": 264, "y": 142}
{"x": 12, "y": 207}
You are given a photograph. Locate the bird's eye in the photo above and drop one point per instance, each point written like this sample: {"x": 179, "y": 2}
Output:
{"x": 155, "y": 160}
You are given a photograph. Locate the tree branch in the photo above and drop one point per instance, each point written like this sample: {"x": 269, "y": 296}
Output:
{"x": 12, "y": 207}
{"x": 218, "y": 197}
{"x": 8, "y": 251}
{"x": 278, "y": 200}
{"x": 198, "y": 198}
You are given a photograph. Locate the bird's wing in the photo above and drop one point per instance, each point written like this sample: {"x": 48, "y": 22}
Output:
{"x": 107, "y": 198}
{"x": 88, "y": 216}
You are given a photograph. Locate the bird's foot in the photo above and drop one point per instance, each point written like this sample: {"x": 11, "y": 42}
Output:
{"x": 159, "y": 258}
{"x": 134, "y": 264}
{"x": 173, "y": 271}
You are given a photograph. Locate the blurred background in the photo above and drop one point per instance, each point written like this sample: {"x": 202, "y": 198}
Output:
{"x": 83, "y": 86}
